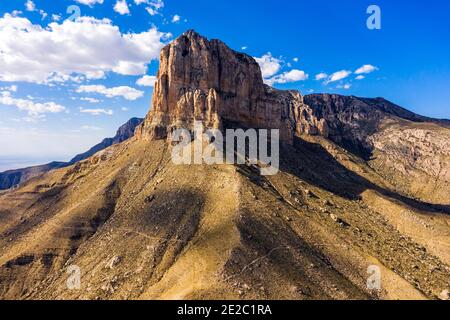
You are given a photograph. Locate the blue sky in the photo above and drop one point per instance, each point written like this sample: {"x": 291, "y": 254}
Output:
{"x": 65, "y": 85}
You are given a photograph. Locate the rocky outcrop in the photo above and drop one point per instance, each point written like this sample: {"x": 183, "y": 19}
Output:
{"x": 409, "y": 150}
{"x": 206, "y": 81}
{"x": 12, "y": 178}
{"x": 139, "y": 226}
{"x": 351, "y": 121}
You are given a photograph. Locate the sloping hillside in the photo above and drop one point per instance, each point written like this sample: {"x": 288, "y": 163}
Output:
{"x": 354, "y": 190}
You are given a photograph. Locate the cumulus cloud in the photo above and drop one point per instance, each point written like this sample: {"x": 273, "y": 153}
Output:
{"x": 339, "y": 75}
{"x": 269, "y": 65}
{"x": 154, "y": 6}
{"x": 43, "y": 14}
{"x": 89, "y": 2}
{"x": 288, "y": 76}
{"x": 12, "y": 88}
{"x": 146, "y": 81}
{"x": 30, "y": 6}
{"x": 16, "y": 13}
{"x": 35, "y": 110}
{"x": 360, "y": 77}
{"x": 321, "y": 76}
{"x": 345, "y": 86}
{"x": 122, "y": 91}
{"x": 73, "y": 50}
{"x": 97, "y": 112}
{"x": 365, "y": 69}
{"x": 176, "y": 18}
{"x": 121, "y": 7}
{"x": 91, "y": 100}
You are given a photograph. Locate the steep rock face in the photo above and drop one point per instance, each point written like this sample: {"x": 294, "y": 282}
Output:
{"x": 206, "y": 81}
{"x": 350, "y": 120}
{"x": 141, "y": 227}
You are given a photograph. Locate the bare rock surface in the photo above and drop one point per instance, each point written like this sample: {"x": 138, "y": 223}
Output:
{"x": 362, "y": 185}
{"x": 206, "y": 81}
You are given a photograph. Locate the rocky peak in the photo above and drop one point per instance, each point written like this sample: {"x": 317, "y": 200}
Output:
{"x": 126, "y": 130}
{"x": 204, "y": 80}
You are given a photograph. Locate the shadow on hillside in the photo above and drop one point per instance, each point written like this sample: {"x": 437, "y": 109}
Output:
{"x": 315, "y": 165}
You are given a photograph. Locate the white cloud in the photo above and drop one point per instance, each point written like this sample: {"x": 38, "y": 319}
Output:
{"x": 16, "y": 13}
{"x": 12, "y": 88}
{"x": 244, "y": 48}
{"x": 121, "y": 7}
{"x": 138, "y": 2}
{"x": 154, "y": 6}
{"x": 43, "y": 14}
{"x": 130, "y": 68}
{"x": 73, "y": 50}
{"x": 33, "y": 109}
{"x": 89, "y": 2}
{"x": 365, "y": 69}
{"x": 146, "y": 81}
{"x": 97, "y": 112}
{"x": 321, "y": 76}
{"x": 288, "y": 76}
{"x": 91, "y": 100}
{"x": 360, "y": 77}
{"x": 122, "y": 91}
{"x": 30, "y": 6}
{"x": 56, "y": 17}
{"x": 339, "y": 75}
{"x": 295, "y": 59}
{"x": 345, "y": 86}
{"x": 124, "y": 109}
{"x": 176, "y": 18}
{"x": 269, "y": 65}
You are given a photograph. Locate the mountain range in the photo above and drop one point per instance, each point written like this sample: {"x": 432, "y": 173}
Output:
{"x": 363, "y": 185}
{"x": 12, "y": 178}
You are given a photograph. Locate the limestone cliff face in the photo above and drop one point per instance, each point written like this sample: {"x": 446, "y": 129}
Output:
{"x": 206, "y": 81}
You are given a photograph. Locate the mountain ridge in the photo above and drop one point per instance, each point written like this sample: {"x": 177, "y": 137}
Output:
{"x": 138, "y": 226}
{"x": 11, "y": 178}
